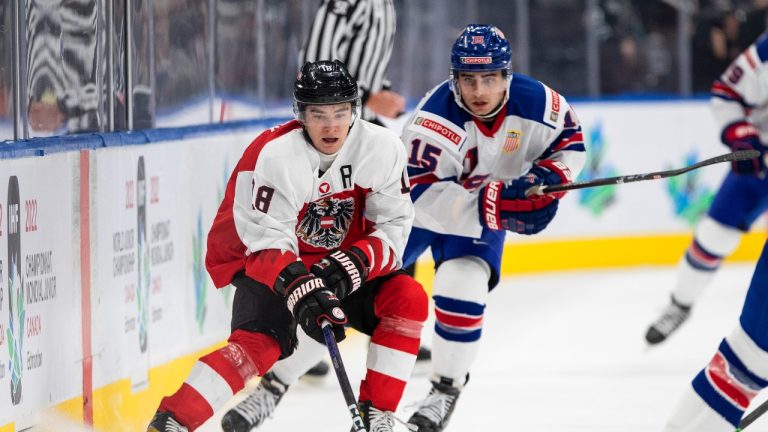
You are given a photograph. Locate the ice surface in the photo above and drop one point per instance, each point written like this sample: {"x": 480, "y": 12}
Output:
{"x": 561, "y": 353}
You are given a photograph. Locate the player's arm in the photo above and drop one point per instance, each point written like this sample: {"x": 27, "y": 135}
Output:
{"x": 389, "y": 208}
{"x": 265, "y": 209}
{"x": 733, "y": 96}
{"x": 435, "y": 165}
{"x": 557, "y": 156}
{"x": 564, "y": 155}
{"x": 739, "y": 89}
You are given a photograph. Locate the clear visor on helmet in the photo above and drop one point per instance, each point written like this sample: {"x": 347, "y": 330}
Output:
{"x": 486, "y": 81}
{"x": 474, "y": 83}
{"x": 330, "y": 115}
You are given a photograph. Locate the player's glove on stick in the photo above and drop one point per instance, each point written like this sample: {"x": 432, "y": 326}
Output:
{"x": 344, "y": 271}
{"x": 311, "y": 302}
{"x": 505, "y": 206}
{"x": 743, "y": 135}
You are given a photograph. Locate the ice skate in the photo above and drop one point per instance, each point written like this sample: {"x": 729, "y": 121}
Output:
{"x": 164, "y": 422}
{"x": 376, "y": 420}
{"x": 257, "y": 407}
{"x": 435, "y": 410}
{"x": 670, "y": 320}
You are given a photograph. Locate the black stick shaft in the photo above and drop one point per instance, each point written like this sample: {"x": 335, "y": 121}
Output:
{"x": 754, "y": 415}
{"x": 728, "y": 157}
{"x": 341, "y": 374}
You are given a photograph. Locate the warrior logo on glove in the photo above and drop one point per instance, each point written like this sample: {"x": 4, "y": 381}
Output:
{"x": 350, "y": 268}
{"x": 303, "y": 289}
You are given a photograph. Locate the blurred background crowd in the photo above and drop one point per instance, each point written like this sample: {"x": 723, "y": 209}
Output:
{"x": 70, "y": 66}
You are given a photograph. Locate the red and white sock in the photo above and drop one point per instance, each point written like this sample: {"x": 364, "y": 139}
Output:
{"x": 401, "y": 306}
{"x": 217, "y": 376}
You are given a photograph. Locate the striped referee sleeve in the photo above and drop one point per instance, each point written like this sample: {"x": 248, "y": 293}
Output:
{"x": 360, "y": 33}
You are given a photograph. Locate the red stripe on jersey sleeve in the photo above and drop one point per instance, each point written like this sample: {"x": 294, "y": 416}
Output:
{"x": 725, "y": 91}
{"x": 264, "y": 266}
{"x": 374, "y": 248}
{"x": 578, "y": 137}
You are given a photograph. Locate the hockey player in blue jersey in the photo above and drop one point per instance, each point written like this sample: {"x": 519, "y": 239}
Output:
{"x": 740, "y": 106}
{"x": 476, "y": 143}
{"x": 721, "y": 392}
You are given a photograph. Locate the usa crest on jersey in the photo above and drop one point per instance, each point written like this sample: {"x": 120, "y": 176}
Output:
{"x": 512, "y": 142}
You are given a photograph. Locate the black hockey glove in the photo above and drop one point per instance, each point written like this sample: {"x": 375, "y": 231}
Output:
{"x": 743, "y": 135}
{"x": 311, "y": 302}
{"x": 344, "y": 271}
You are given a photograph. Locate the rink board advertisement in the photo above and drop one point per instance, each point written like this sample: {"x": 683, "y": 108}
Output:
{"x": 40, "y": 319}
{"x": 153, "y": 299}
{"x": 210, "y": 163}
{"x": 135, "y": 261}
{"x": 642, "y": 137}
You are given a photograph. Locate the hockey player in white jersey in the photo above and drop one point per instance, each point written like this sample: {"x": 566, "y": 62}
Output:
{"x": 718, "y": 396}
{"x": 312, "y": 227}
{"x": 476, "y": 144}
{"x": 740, "y": 106}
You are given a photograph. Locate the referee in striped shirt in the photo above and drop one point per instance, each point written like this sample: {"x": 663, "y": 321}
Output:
{"x": 360, "y": 33}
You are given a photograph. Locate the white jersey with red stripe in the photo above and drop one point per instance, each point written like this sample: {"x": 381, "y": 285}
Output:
{"x": 741, "y": 93}
{"x": 452, "y": 153}
{"x": 279, "y": 207}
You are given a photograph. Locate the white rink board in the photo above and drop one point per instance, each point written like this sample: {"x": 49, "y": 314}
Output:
{"x": 161, "y": 287}
{"x": 639, "y": 138}
{"x": 136, "y": 267}
{"x": 41, "y": 332}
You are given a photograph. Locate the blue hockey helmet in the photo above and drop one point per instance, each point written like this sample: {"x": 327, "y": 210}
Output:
{"x": 481, "y": 47}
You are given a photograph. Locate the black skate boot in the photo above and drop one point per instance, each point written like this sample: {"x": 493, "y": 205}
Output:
{"x": 376, "y": 420}
{"x": 670, "y": 320}
{"x": 164, "y": 422}
{"x": 435, "y": 410}
{"x": 253, "y": 410}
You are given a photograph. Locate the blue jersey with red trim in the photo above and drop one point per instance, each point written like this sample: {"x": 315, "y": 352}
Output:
{"x": 452, "y": 153}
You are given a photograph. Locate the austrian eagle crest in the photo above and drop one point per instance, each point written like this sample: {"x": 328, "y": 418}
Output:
{"x": 326, "y": 222}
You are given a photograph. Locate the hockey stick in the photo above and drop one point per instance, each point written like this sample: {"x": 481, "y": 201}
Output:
{"x": 341, "y": 374}
{"x": 754, "y": 415}
{"x": 728, "y": 157}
